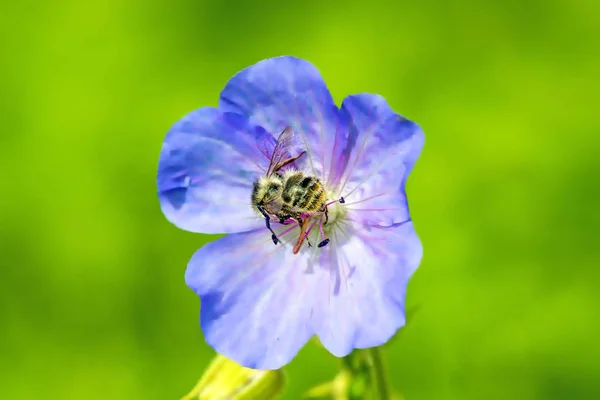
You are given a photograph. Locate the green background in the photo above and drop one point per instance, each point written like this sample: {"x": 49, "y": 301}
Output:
{"x": 504, "y": 197}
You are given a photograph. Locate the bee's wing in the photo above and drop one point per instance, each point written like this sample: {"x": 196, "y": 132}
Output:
{"x": 280, "y": 152}
{"x": 266, "y": 146}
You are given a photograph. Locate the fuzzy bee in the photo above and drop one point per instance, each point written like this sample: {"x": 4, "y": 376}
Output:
{"x": 290, "y": 197}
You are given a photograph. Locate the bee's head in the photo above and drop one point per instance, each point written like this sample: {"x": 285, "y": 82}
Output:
{"x": 266, "y": 193}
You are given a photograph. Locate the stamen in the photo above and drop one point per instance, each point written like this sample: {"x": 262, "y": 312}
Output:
{"x": 324, "y": 243}
{"x": 288, "y": 230}
{"x": 307, "y": 232}
{"x": 286, "y": 220}
{"x": 325, "y": 240}
{"x": 321, "y": 229}
{"x": 341, "y": 200}
{"x": 310, "y": 229}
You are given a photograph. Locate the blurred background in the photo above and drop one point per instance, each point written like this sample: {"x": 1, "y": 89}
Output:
{"x": 93, "y": 303}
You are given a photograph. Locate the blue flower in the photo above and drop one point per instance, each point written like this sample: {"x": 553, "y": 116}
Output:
{"x": 260, "y": 302}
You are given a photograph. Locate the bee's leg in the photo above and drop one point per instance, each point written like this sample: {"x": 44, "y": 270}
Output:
{"x": 326, "y": 217}
{"x": 291, "y": 228}
{"x": 308, "y": 232}
{"x": 303, "y": 226}
{"x": 325, "y": 240}
{"x": 268, "y": 222}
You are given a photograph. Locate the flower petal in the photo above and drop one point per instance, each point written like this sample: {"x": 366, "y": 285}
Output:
{"x": 208, "y": 163}
{"x": 362, "y": 303}
{"x": 288, "y": 91}
{"x": 382, "y": 150}
{"x": 256, "y": 298}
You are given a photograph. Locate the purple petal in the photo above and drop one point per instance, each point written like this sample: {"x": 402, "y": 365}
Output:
{"x": 208, "y": 163}
{"x": 256, "y": 298}
{"x": 362, "y": 301}
{"x": 288, "y": 91}
{"x": 383, "y": 148}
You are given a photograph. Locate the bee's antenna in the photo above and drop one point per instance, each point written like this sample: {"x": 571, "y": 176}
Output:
{"x": 268, "y": 221}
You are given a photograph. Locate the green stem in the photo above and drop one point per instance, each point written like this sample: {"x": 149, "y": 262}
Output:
{"x": 368, "y": 378}
{"x": 380, "y": 384}
{"x": 362, "y": 376}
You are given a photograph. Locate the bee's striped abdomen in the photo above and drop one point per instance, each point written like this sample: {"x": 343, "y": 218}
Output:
{"x": 315, "y": 197}
{"x": 303, "y": 193}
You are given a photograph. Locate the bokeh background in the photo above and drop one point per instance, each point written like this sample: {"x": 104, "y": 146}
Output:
{"x": 505, "y": 196}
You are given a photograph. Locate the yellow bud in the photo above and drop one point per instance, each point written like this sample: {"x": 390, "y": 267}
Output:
{"x": 225, "y": 379}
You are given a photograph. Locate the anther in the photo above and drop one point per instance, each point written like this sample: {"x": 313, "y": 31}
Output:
{"x": 340, "y": 200}
{"x": 274, "y": 238}
{"x": 324, "y": 243}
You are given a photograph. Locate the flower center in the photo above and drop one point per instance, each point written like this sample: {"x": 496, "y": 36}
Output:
{"x": 335, "y": 212}
{"x": 316, "y": 228}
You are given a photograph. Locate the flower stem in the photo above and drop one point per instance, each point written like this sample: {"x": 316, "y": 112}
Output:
{"x": 380, "y": 384}
{"x": 362, "y": 376}
{"x": 368, "y": 375}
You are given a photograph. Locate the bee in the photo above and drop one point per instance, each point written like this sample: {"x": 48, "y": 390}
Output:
{"x": 291, "y": 196}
